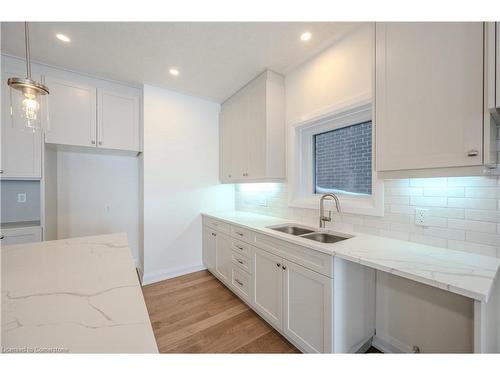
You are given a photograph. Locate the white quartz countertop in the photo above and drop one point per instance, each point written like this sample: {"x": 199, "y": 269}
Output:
{"x": 459, "y": 272}
{"x": 79, "y": 295}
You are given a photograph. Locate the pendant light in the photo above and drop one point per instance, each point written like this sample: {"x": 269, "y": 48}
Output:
{"x": 28, "y": 98}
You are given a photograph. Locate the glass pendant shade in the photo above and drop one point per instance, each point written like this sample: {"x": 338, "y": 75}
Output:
{"x": 28, "y": 98}
{"x": 28, "y": 109}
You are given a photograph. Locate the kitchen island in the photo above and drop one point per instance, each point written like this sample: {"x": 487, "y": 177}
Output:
{"x": 78, "y": 295}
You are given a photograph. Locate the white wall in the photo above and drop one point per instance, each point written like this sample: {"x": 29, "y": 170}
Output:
{"x": 98, "y": 194}
{"x": 407, "y": 313}
{"x": 181, "y": 180}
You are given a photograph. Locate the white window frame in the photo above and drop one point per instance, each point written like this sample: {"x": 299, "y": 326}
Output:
{"x": 301, "y": 171}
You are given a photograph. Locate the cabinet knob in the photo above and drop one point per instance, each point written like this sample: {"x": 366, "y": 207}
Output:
{"x": 1, "y": 171}
{"x": 213, "y": 234}
{"x": 100, "y": 143}
{"x": 472, "y": 153}
{"x": 2, "y": 237}
{"x": 229, "y": 176}
{"x": 278, "y": 265}
{"x": 284, "y": 267}
{"x": 245, "y": 174}
{"x": 92, "y": 142}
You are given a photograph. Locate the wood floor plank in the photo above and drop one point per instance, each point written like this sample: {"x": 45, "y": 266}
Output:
{"x": 196, "y": 313}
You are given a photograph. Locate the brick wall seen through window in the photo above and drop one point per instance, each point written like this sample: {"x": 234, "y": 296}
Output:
{"x": 343, "y": 160}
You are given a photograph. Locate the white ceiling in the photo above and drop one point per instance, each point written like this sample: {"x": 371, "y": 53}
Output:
{"x": 214, "y": 59}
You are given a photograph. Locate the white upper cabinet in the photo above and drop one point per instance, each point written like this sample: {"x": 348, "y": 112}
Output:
{"x": 429, "y": 95}
{"x": 72, "y": 112}
{"x": 252, "y": 132}
{"x": 90, "y": 112}
{"x": 118, "y": 119}
{"x": 21, "y": 151}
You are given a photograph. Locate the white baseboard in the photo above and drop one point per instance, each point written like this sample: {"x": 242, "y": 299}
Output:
{"x": 151, "y": 278}
{"x": 388, "y": 344}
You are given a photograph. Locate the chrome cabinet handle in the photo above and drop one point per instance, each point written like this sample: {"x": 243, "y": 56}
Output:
{"x": 239, "y": 247}
{"x": 2, "y": 237}
{"x": 245, "y": 174}
{"x": 92, "y": 142}
{"x": 1, "y": 171}
{"x": 239, "y": 234}
{"x": 239, "y": 282}
{"x": 472, "y": 153}
{"x": 239, "y": 261}
{"x": 100, "y": 143}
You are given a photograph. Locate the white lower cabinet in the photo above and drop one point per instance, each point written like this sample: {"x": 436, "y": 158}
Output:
{"x": 297, "y": 301}
{"x": 307, "y": 308}
{"x": 223, "y": 257}
{"x": 14, "y": 236}
{"x": 268, "y": 293}
{"x": 209, "y": 248}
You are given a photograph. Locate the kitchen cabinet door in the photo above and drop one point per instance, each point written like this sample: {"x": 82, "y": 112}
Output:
{"x": 21, "y": 149}
{"x": 118, "y": 119}
{"x": 72, "y": 113}
{"x": 14, "y": 236}
{"x": 307, "y": 308}
{"x": 428, "y": 95}
{"x": 268, "y": 287}
{"x": 223, "y": 257}
{"x": 209, "y": 248}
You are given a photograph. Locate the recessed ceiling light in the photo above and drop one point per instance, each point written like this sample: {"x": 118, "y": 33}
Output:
{"x": 305, "y": 36}
{"x": 63, "y": 38}
{"x": 174, "y": 71}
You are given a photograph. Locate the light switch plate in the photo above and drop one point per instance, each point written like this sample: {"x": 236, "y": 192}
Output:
{"x": 21, "y": 198}
{"x": 421, "y": 216}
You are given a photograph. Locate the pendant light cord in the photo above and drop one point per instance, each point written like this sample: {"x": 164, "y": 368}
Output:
{"x": 27, "y": 43}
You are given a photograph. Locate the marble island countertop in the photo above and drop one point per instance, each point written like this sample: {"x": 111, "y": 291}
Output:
{"x": 79, "y": 295}
{"x": 459, "y": 272}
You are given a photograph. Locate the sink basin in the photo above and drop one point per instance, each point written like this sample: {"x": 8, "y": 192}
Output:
{"x": 324, "y": 237}
{"x": 292, "y": 229}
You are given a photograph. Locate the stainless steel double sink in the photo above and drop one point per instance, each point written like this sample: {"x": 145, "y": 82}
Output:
{"x": 310, "y": 234}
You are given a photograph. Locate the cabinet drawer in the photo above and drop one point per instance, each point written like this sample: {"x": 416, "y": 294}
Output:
{"x": 240, "y": 247}
{"x": 242, "y": 234}
{"x": 218, "y": 225}
{"x": 312, "y": 259}
{"x": 242, "y": 262}
{"x": 241, "y": 282}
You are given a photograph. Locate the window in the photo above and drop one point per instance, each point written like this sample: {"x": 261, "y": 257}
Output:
{"x": 343, "y": 160}
{"x": 333, "y": 152}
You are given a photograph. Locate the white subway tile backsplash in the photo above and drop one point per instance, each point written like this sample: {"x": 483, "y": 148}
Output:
{"x": 457, "y": 213}
{"x": 428, "y": 201}
{"x": 478, "y": 226}
{"x": 482, "y": 192}
{"x": 477, "y": 203}
{"x": 471, "y": 247}
{"x": 427, "y": 182}
{"x": 444, "y": 192}
{"x": 462, "y": 212}
{"x": 472, "y": 181}
{"x": 483, "y": 238}
{"x": 483, "y": 215}
{"x": 450, "y": 234}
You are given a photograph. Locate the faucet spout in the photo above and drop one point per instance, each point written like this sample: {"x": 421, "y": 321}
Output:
{"x": 322, "y": 218}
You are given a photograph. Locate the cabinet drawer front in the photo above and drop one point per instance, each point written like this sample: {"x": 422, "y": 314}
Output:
{"x": 242, "y": 262}
{"x": 218, "y": 225}
{"x": 240, "y": 247}
{"x": 312, "y": 259}
{"x": 242, "y": 283}
{"x": 242, "y": 234}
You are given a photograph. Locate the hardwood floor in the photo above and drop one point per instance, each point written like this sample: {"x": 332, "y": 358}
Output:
{"x": 196, "y": 313}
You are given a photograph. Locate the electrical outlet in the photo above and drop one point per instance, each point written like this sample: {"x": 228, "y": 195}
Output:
{"x": 421, "y": 216}
{"x": 21, "y": 198}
